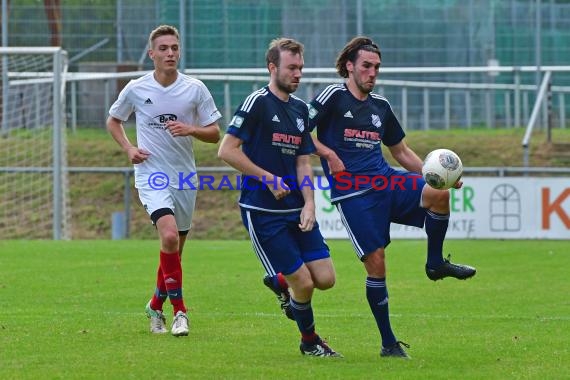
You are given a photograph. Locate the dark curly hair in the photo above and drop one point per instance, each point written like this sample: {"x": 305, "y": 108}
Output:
{"x": 350, "y": 53}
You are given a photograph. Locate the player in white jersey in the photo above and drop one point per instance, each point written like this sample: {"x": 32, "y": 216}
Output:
{"x": 171, "y": 110}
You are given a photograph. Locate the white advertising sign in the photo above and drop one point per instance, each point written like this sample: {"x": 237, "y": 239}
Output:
{"x": 484, "y": 208}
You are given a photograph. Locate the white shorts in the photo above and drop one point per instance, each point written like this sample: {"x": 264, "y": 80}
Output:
{"x": 181, "y": 202}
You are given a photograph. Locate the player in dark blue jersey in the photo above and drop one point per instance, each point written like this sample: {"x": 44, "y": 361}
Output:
{"x": 269, "y": 142}
{"x": 351, "y": 123}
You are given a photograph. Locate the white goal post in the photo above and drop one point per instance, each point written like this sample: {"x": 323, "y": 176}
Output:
{"x": 33, "y": 165}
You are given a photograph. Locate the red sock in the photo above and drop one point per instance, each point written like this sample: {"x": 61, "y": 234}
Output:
{"x": 282, "y": 281}
{"x": 160, "y": 295}
{"x": 172, "y": 272}
{"x": 309, "y": 337}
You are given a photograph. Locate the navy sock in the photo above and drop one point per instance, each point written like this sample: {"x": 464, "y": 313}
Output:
{"x": 303, "y": 313}
{"x": 377, "y": 295}
{"x": 436, "y": 228}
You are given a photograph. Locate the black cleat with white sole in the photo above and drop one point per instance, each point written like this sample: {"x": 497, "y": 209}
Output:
{"x": 448, "y": 269}
{"x": 318, "y": 348}
{"x": 283, "y": 297}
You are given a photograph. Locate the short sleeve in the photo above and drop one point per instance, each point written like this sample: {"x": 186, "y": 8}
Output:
{"x": 123, "y": 106}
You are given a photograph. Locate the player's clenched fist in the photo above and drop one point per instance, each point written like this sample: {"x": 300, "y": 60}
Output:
{"x": 136, "y": 155}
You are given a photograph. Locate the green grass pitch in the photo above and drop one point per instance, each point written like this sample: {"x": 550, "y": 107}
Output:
{"x": 75, "y": 310}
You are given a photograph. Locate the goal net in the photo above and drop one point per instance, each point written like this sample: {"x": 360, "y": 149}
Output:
{"x": 33, "y": 176}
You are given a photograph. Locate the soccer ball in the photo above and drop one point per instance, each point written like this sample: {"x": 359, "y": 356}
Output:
{"x": 442, "y": 168}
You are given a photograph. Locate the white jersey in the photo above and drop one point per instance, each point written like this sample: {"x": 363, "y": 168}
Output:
{"x": 186, "y": 100}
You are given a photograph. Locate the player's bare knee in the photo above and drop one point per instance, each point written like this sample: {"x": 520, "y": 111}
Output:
{"x": 169, "y": 239}
{"x": 440, "y": 203}
{"x": 375, "y": 264}
{"x": 436, "y": 200}
{"x": 301, "y": 281}
{"x": 326, "y": 282}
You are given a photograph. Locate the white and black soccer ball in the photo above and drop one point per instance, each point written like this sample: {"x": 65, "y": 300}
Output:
{"x": 442, "y": 168}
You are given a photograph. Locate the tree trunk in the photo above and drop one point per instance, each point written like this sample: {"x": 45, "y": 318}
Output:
{"x": 53, "y": 13}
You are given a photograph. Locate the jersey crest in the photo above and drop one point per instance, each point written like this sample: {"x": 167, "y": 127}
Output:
{"x": 300, "y": 124}
{"x": 376, "y": 121}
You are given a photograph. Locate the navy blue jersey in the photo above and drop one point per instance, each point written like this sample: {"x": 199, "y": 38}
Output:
{"x": 274, "y": 133}
{"x": 354, "y": 129}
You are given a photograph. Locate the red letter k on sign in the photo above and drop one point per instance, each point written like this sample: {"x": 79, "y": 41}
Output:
{"x": 554, "y": 207}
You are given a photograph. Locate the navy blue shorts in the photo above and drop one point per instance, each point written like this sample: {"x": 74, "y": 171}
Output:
{"x": 367, "y": 216}
{"x": 279, "y": 243}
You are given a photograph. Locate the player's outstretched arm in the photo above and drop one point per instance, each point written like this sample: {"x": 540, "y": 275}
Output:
{"x": 406, "y": 157}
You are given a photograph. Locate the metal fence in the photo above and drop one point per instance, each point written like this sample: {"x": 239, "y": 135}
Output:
{"x": 446, "y": 63}
{"x": 111, "y": 36}
{"x": 419, "y": 104}
{"x": 234, "y": 33}
{"x": 516, "y": 106}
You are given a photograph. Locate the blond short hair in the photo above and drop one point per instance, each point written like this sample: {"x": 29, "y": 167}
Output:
{"x": 162, "y": 30}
